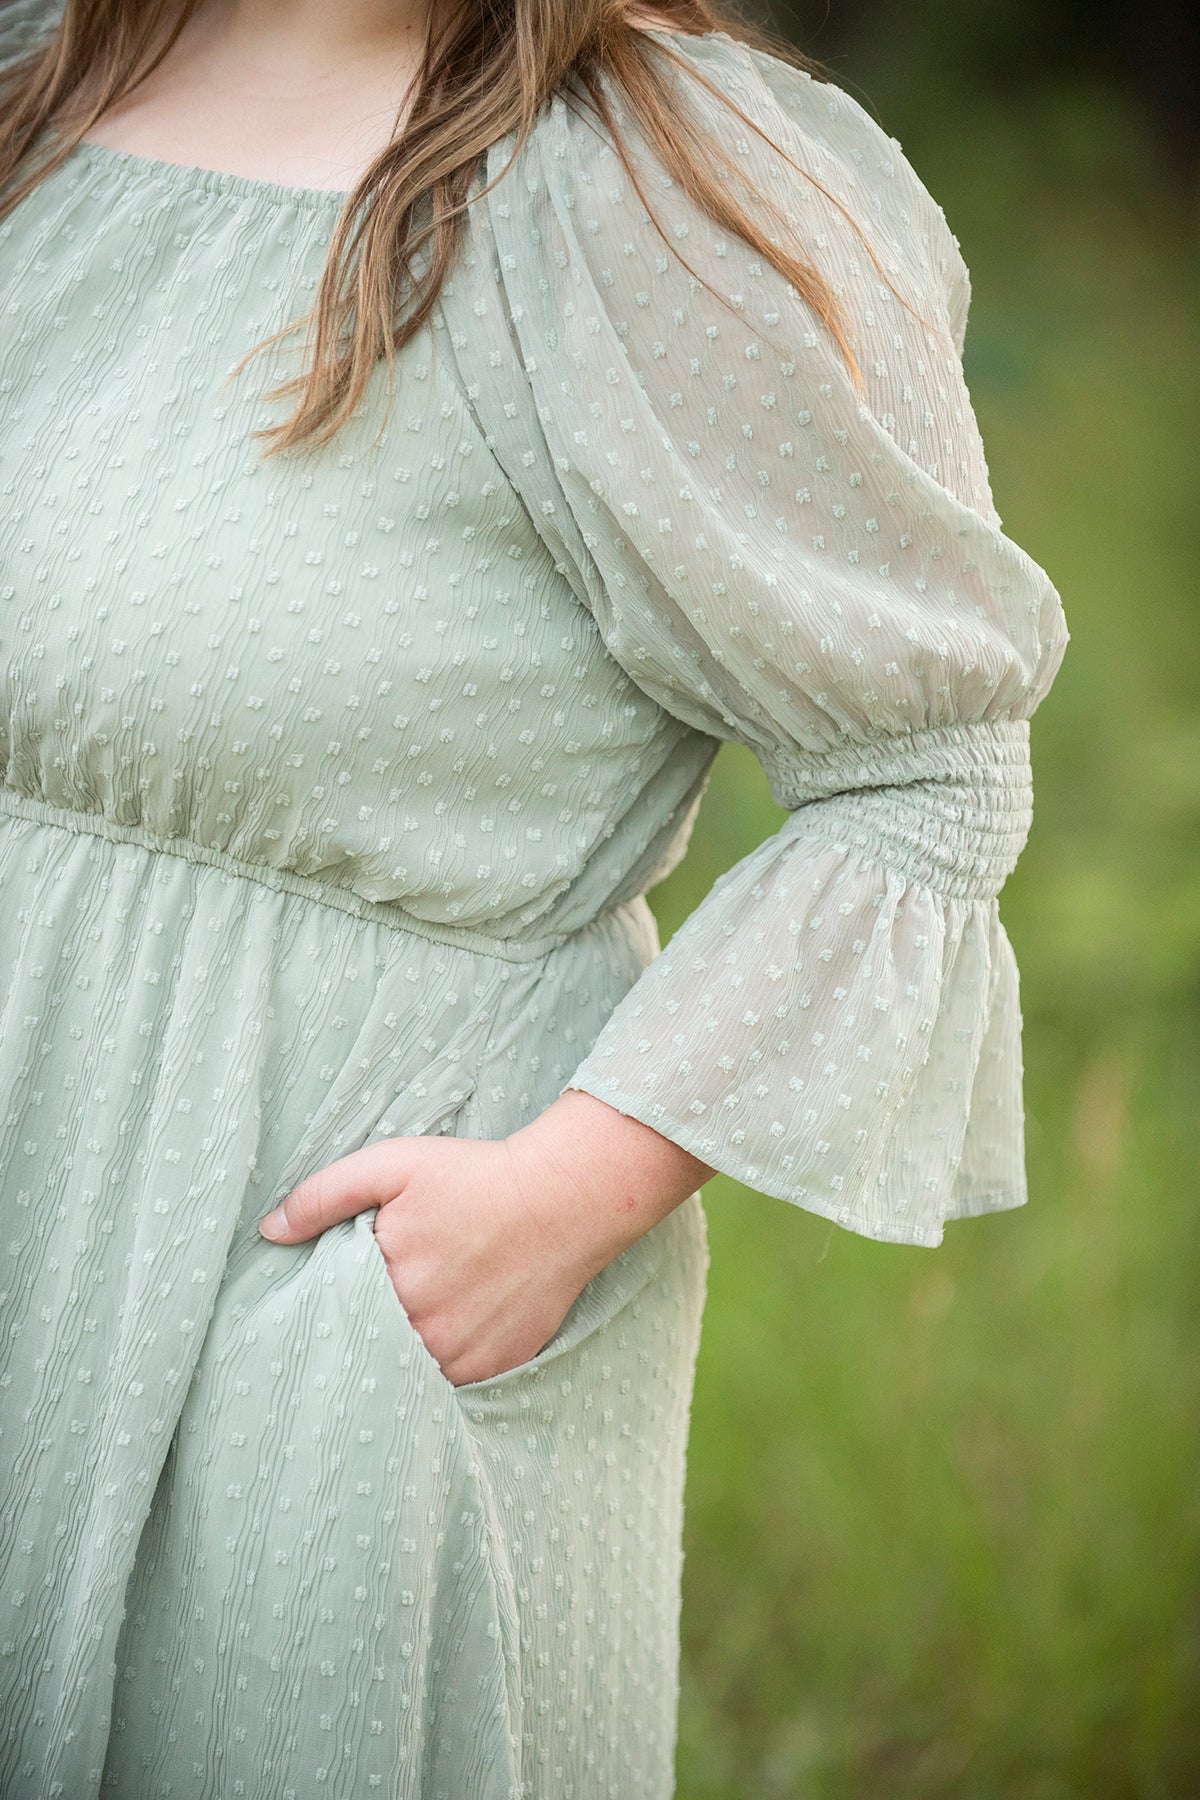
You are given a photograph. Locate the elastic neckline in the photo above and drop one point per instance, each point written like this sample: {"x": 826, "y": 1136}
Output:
{"x": 212, "y": 181}
{"x": 252, "y": 187}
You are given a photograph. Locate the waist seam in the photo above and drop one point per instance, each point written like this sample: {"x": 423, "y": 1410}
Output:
{"x": 304, "y": 887}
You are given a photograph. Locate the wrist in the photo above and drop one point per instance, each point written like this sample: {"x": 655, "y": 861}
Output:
{"x": 598, "y": 1179}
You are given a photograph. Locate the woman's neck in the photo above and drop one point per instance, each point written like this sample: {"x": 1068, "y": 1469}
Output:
{"x": 302, "y": 92}
{"x": 314, "y": 33}
{"x": 306, "y": 93}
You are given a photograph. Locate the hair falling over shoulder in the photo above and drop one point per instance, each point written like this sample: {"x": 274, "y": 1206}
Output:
{"x": 488, "y": 69}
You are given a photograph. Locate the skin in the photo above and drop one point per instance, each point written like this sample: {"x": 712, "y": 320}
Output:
{"x": 487, "y": 1243}
{"x": 293, "y": 91}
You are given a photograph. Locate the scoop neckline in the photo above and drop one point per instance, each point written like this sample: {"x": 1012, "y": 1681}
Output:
{"x": 254, "y": 187}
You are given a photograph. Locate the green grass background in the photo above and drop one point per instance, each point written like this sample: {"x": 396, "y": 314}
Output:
{"x": 943, "y": 1526}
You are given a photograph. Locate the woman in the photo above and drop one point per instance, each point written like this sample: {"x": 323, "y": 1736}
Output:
{"x": 425, "y": 435}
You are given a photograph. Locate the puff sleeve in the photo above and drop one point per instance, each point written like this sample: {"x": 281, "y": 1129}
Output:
{"x": 817, "y": 573}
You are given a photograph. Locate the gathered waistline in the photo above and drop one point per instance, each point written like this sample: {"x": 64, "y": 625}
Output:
{"x": 304, "y": 887}
{"x": 963, "y": 837}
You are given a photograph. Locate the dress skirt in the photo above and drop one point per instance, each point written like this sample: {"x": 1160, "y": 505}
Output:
{"x": 256, "y": 1543}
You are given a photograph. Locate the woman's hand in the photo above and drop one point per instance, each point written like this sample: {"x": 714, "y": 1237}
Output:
{"x": 487, "y": 1243}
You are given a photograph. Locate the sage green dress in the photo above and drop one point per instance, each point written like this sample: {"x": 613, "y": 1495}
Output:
{"x": 332, "y": 786}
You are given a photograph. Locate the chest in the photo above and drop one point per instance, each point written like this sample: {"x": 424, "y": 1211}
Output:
{"x": 315, "y": 650}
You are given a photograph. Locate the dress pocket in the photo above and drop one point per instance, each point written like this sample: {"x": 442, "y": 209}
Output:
{"x": 595, "y": 1308}
{"x": 364, "y": 1224}
{"x": 595, "y": 1312}
{"x": 369, "y": 1252}
{"x": 669, "y": 1249}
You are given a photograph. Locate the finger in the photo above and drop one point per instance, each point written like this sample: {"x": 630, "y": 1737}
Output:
{"x": 367, "y": 1177}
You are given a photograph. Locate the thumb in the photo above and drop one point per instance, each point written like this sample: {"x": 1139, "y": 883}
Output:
{"x": 368, "y": 1177}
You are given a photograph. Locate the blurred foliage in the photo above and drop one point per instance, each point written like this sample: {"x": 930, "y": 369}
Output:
{"x": 943, "y": 1531}
{"x": 1009, "y": 47}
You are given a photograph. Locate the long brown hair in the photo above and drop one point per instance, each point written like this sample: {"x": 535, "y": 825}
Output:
{"x": 488, "y": 67}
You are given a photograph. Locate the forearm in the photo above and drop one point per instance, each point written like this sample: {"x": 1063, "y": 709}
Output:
{"x": 598, "y": 1178}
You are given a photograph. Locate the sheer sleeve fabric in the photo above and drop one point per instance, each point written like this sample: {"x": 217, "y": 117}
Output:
{"x": 24, "y": 25}
{"x": 817, "y": 573}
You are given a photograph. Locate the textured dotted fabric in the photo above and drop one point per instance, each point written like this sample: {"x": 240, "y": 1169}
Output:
{"x": 819, "y": 574}
{"x": 332, "y": 787}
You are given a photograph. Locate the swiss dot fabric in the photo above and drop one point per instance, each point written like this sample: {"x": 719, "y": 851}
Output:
{"x": 330, "y": 790}
{"x": 820, "y": 575}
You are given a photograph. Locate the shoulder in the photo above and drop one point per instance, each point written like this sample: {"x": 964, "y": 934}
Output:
{"x": 838, "y": 164}
{"x": 876, "y": 179}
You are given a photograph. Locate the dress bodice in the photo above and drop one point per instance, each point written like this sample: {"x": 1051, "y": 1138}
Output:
{"x": 356, "y": 664}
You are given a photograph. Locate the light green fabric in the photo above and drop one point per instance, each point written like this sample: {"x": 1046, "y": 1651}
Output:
{"x": 332, "y": 787}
